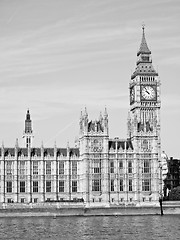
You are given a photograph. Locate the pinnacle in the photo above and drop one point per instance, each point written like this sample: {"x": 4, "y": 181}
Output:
{"x": 143, "y": 47}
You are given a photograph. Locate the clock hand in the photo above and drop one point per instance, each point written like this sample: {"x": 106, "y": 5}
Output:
{"x": 147, "y": 91}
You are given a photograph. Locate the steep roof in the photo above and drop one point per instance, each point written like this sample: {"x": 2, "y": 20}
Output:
{"x": 9, "y": 151}
{"x": 143, "y": 47}
{"x": 37, "y": 152}
{"x": 144, "y": 65}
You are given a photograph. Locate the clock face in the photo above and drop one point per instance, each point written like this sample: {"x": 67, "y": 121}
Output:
{"x": 132, "y": 95}
{"x": 96, "y": 145}
{"x": 148, "y": 93}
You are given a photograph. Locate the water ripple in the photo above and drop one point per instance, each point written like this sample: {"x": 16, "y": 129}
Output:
{"x": 87, "y": 228}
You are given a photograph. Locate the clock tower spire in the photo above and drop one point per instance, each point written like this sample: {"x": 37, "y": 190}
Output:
{"x": 144, "y": 119}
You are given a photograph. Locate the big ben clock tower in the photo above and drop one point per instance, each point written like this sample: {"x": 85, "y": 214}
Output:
{"x": 144, "y": 122}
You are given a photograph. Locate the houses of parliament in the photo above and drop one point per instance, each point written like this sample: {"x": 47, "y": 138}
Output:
{"x": 100, "y": 170}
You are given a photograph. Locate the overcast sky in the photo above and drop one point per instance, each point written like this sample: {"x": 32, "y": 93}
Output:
{"x": 58, "y": 56}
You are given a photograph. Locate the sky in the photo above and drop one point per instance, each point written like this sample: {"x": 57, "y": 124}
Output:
{"x": 59, "y": 56}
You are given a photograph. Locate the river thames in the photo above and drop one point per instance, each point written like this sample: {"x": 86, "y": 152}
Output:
{"x": 82, "y": 228}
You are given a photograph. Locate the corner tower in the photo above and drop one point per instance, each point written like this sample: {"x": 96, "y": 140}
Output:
{"x": 144, "y": 121}
{"x": 28, "y": 132}
{"x": 93, "y": 141}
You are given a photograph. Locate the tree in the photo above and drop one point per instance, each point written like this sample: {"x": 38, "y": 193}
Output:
{"x": 174, "y": 194}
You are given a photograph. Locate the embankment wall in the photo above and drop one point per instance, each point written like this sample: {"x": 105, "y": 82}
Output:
{"x": 79, "y": 209}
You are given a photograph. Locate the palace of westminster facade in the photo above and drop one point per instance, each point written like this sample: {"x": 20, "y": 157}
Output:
{"x": 100, "y": 170}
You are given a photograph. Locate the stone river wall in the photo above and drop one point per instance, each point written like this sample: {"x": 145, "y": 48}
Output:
{"x": 79, "y": 209}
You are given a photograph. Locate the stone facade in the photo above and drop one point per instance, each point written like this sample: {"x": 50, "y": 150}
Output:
{"x": 100, "y": 170}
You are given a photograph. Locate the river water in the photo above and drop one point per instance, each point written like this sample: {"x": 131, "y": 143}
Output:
{"x": 82, "y": 228}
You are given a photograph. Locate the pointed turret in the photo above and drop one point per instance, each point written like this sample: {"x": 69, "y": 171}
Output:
{"x": 100, "y": 117}
{"x": 81, "y": 116}
{"x": 85, "y": 123}
{"x": 2, "y": 149}
{"x": 28, "y": 132}
{"x": 55, "y": 146}
{"x": 143, "y": 47}
{"x": 28, "y": 124}
{"x": 105, "y": 113}
{"x": 106, "y": 128}
{"x": 129, "y": 125}
{"x": 16, "y": 143}
{"x": 144, "y": 62}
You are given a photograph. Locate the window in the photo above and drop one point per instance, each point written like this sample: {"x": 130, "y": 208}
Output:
{"x": 145, "y": 142}
{"x": 143, "y": 199}
{"x": 61, "y": 186}
{"x": 111, "y": 167}
{"x": 35, "y": 167}
{"x": 145, "y": 58}
{"x": 129, "y": 167}
{"x": 112, "y": 185}
{"x": 100, "y": 199}
{"x": 48, "y": 186}
{"x": 96, "y": 166}
{"x": 9, "y": 187}
{"x": 35, "y": 186}
{"x": 22, "y": 168}
{"x": 146, "y": 185}
{"x": 130, "y": 185}
{"x": 146, "y": 166}
{"x": 121, "y": 166}
{"x": 35, "y": 200}
{"x": 122, "y": 199}
{"x": 121, "y": 185}
{"x": 9, "y": 168}
{"x": 130, "y": 199}
{"x": 48, "y": 167}
{"x": 28, "y": 140}
{"x": 22, "y": 200}
{"x": 9, "y": 200}
{"x": 74, "y": 186}
{"x": 96, "y": 185}
{"x": 74, "y": 167}
{"x": 22, "y": 186}
{"x": 61, "y": 167}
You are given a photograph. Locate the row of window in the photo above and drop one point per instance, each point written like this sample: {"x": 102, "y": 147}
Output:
{"x": 96, "y": 167}
{"x": 35, "y": 187}
{"x": 121, "y": 185}
{"x": 121, "y": 156}
{"x": 147, "y": 78}
{"x": 146, "y": 185}
{"x": 35, "y": 168}
{"x": 146, "y": 166}
{"x": 96, "y": 186}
